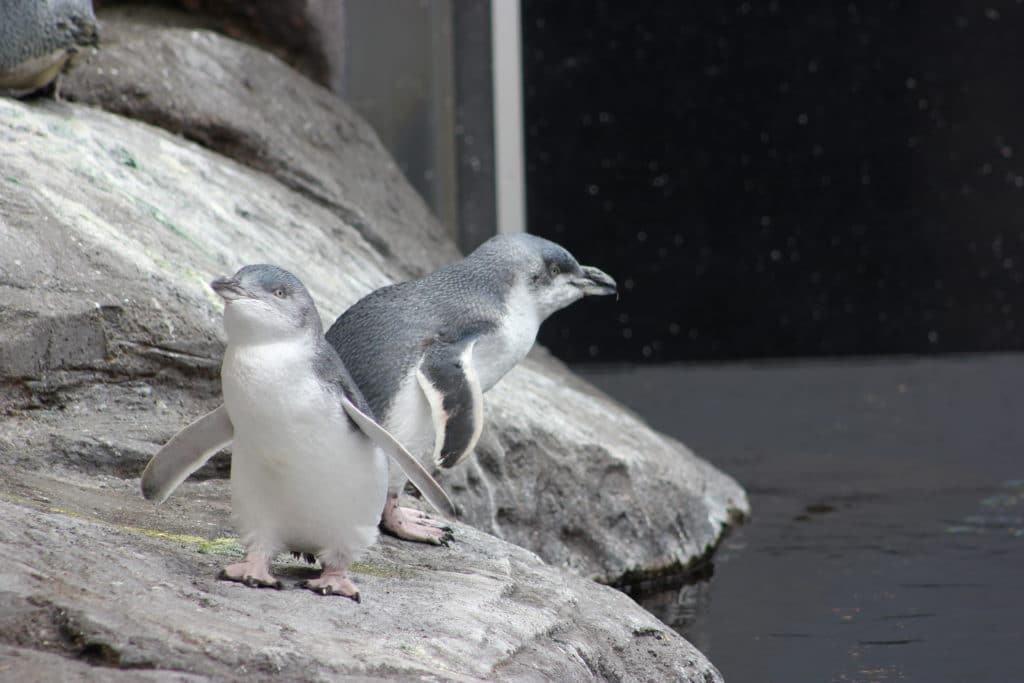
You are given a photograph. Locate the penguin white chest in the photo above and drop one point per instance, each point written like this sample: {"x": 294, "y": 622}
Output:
{"x": 302, "y": 477}
{"x": 502, "y": 349}
{"x": 271, "y": 393}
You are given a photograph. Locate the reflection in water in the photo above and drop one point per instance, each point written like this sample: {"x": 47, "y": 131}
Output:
{"x": 685, "y": 609}
{"x": 1001, "y": 513}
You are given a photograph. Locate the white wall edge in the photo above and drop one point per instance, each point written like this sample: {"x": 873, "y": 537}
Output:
{"x": 509, "y": 164}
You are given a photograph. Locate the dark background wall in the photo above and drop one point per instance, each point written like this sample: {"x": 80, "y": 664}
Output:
{"x": 779, "y": 179}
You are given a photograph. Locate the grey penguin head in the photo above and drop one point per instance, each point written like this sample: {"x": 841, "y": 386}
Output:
{"x": 74, "y": 19}
{"x": 266, "y": 304}
{"x": 552, "y": 276}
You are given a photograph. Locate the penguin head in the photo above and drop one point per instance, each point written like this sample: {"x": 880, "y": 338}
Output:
{"x": 551, "y": 275}
{"x": 266, "y": 304}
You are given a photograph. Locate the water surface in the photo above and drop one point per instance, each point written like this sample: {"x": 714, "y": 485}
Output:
{"x": 887, "y": 542}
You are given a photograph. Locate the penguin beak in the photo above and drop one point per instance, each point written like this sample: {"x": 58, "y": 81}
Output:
{"x": 230, "y": 289}
{"x": 595, "y": 282}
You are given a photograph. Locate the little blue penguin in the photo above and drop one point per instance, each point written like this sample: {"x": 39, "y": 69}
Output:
{"x": 308, "y": 467}
{"x": 38, "y": 36}
{"x": 424, "y": 351}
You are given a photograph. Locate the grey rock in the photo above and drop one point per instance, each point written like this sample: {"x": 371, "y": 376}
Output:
{"x": 24, "y": 664}
{"x": 96, "y": 580}
{"x": 308, "y": 34}
{"x": 249, "y": 105}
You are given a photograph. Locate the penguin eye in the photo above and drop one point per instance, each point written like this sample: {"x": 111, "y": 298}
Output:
{"x": 279, "y": 293}
{"x": 554, "y": 270}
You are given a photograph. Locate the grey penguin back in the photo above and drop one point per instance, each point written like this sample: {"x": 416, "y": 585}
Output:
{"x": 382, "y": 337}
{"x": 31, "y": 29}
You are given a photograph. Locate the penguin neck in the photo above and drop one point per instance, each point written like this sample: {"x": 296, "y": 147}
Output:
{"x": 244, "y": 331}
{"x": 500, "y": 350}
{"x": 268, "y": 381}
{"x": 269, "y": 361}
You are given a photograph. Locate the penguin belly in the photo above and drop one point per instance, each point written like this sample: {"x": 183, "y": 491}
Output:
{"x": 303, "y": 477}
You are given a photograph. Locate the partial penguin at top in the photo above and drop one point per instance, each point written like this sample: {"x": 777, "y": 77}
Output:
{"x": 37, "y": 37}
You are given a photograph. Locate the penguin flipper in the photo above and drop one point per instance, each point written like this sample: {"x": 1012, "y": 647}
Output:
{"x": 450, "y": 383}
{"x": 187, "y": 451}
{"x": 420, "y": 478}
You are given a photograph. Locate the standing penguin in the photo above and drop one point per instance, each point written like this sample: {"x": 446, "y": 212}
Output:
{"x": 308, "y": 471}
{"x": 424, "y": 351}
{"x": 37, "y": 37}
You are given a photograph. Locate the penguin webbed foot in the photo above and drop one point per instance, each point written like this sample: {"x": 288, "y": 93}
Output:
{"x": 410, "y": 524}
{"x": 426, "y": 519}
{"x": 254, "y": 572}
{"x": 332, "y": 582}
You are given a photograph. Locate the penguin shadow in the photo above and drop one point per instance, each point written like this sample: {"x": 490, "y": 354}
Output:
{"x": 298, "y": 568}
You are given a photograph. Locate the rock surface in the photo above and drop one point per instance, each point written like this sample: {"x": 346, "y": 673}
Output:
{"x": 247, "y": 104}
{"x": 305, "y": 33}
{"x": 95, "y": 579}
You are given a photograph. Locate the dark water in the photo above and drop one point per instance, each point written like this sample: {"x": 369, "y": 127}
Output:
{"x": 887, "y": 542}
